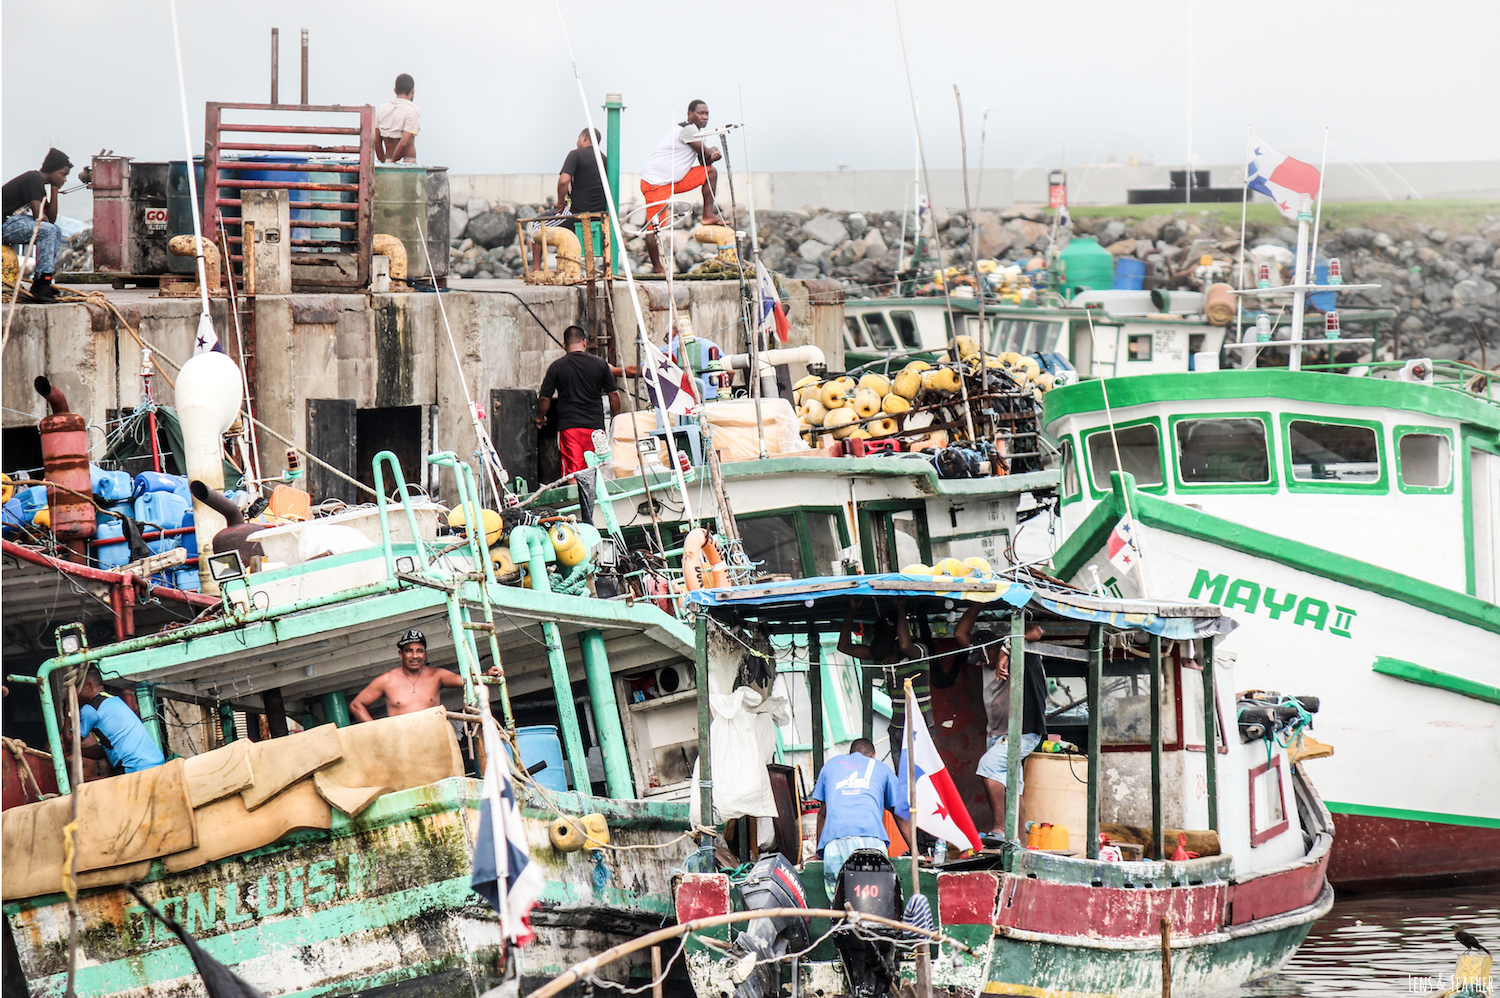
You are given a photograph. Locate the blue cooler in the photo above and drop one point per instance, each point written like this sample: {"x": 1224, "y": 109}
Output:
{"x": 111, "y": 556}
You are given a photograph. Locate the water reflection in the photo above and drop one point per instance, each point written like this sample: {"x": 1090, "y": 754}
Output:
{"x": 1387, "y": 945}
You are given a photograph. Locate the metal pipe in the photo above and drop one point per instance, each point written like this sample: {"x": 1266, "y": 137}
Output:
{"x": 567, "y": 711}
{"x": 617, "y": 779}
{"x": 336, "y": 708}
{"x": 305, "y": 101}
{"x": 705, "y": 722}
{"x": 1157, "y": 851}
{"x": 218, "y": 502}
{"x": 275, "y": 63}
{"x": 1013, "y": 733}
{"x": 100, "y": 575}
{"x": 815, "y": 687}
{"x": 145, "y": 701}
{"x": 809, "y": 355}
{"x": 1210, "y": 733}
{"x": 613, "y": 105}
{"x": 1096, "y": 705}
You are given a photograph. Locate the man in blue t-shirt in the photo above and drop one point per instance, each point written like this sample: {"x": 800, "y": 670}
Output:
{"x": 856, "y": 790}
{"x": 118, "y": 734}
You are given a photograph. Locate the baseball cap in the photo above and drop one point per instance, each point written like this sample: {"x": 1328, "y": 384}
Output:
{"x": 412, "y": 637}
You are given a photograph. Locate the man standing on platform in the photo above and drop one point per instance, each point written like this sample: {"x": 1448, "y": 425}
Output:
{"x": 580, "y": 189}
{"x": 856, "y": 790}
{"x": 579, "y": 380}
{"x": 397, "y": 123}
{"x": 681, "y": 163}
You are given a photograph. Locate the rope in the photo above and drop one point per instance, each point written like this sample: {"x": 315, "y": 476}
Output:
{"x": 70, "y": 848}
{"x": 19, "y": 749}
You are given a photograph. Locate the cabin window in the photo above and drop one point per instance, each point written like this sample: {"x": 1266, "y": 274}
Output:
{"x": 1333, "y": 452}
{"x": 1268, "y": 815}
{"x": 999, "y": 329}
{"x": 1424, "y": 460}
{"x": 906, "y": 328}
{"x": 798, "y": 544}
{"x": 1140, "y": 453}
{"x": 893, "y": 536}
{"x": 1069, "y": 463}
{"x": 880, "y": 333}
{"x": 1139, "y": 346}
{"x": 854, "y": 333}
{"x": 1229, "y": 451}
{"x": 1125, "y": 707}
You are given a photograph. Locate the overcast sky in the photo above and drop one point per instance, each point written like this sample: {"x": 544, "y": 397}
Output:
{"x": 822, "y": 82}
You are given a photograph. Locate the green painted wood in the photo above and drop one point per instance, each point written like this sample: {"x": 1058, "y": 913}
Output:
{"x": 705, "y": 718}
{"x": 1438, "y": 817}
{"x": 1424, "y": 676}
{"x": 1210, "y": 734}
{"x": 336, "y": 708}
{"x": 1096, "y": 735}
{"x": 1156, "y": 802}
{"x": 1013, "y": 732}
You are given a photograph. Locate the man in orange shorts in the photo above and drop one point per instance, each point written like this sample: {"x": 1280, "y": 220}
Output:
{"x": 682, "y": 162}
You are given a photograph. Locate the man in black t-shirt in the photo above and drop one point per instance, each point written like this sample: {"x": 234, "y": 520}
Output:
{"x": 580, "y": 188}
{"x": 579, "y": 380}
{"x": 28, "y": 207}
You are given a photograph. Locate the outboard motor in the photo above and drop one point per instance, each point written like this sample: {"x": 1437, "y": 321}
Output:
{"x": 772, "y": 883}
{"x": 868, "y": 883}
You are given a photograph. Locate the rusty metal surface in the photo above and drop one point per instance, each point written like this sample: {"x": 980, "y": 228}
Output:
{"x": 345, "y": 243}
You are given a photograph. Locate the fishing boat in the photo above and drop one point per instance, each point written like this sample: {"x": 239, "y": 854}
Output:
{"x": 1152, "y": 693}
{"x": 1348, "y": 513}
{"x": 336, "y": 858}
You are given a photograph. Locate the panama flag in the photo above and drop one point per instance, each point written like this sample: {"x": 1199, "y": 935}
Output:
{"x": 940, "y": 808}
{"x": 769, "y": 313}
{"x": 504, "y": 874}
{"x": 668, "y": 386}
{"x": 1122, "y": 548}
{"x": 1281, "y": 178}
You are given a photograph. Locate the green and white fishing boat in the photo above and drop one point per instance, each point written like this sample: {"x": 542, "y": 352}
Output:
{"x": 1350, "y": 518}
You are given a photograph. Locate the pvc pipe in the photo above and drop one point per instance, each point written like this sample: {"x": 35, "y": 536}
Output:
{"x": 617, "y": 778}
{"x": 809, "y": 355}
{"x": 529, "y": 546}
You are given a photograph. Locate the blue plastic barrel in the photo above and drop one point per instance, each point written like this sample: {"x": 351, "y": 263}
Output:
{"x": 540, "y": 743}
{"x": 1323, "y": 301}
{"x": 248, "y": 172}
{"x": 1130, "y": 274}
{"x": 111, "y": 555}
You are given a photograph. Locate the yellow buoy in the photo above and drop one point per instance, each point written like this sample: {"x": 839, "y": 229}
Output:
{"x": 858, "y": 433}
{"x": 813, "y": 411}
{"x": 883, "y": 427}
{"x": 6, "y": 489}
{"x": 877, "y": 383}
{"x": 918, "y": 365}
{"x": 493, "y": 525}
{"x": 866, "y": 403}
{"x": 894, "y": 403}
{"x": 907, "y": 384}
{"x": 42, "y": 518}
{"x": 978, "y": 564}
{"x": 835, "y": 393}
{"x": 968, "y": 347}
{"x": 917, "y": 569}
{"x": 953, "y": 567}
{"x": 568, "y": 545}
{"x": 840, "y": 422}
{"x": 942, "y": 379}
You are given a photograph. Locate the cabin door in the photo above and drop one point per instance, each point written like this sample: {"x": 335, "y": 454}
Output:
{"x": 1484, "y": 481}
{"x": 893, "y": 534}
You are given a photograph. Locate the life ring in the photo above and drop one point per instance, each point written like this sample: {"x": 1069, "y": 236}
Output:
{"x": 702, "y": 565}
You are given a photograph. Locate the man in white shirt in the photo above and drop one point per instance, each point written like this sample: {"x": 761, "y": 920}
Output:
{"x": 682, "y": 162}
{"x": 397, "y": 123}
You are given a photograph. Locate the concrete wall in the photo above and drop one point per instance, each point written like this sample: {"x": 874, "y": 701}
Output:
{"x": 378, "y": 350}
{"x": 1101, "y": 184}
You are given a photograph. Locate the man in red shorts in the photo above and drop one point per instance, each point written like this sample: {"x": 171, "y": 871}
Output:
{"x": 682, "y": 162}
{"x": 579, "y": 380}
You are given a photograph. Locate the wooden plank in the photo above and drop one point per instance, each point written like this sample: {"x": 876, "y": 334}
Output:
{"x": 513, "y": 429}
{"x": 332, "y": 435}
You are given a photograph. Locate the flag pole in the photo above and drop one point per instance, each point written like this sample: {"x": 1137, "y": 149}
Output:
{"x": 1312, "y": 260}
{"x": 924, "y": 965}
{"x": 1239, "y": 300}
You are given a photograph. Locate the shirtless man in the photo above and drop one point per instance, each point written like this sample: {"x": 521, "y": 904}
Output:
{"x": 411, "y": 686}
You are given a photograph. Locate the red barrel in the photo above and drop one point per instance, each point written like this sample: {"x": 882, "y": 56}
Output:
{"x": 65, "y": 454}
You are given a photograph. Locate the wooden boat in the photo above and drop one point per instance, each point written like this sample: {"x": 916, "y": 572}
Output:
{"x": 1151, "y": 683}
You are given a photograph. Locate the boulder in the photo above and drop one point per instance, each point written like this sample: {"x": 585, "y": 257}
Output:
{"x": 991, "y": 239}
{"x": 844, "y": 254}
{"x": 773, "y": 257}
{"x": 1150, "y": 228}
{"x": 825, "y": 229}
{"x": 875, "y": 246}
{"x": 858, "y": 224}
{"x": 806, "y": 272}
{"x": 1286, "y": 234}
{"x": 1356, "y": 238}
{"x": 1412, "y": 324}
{"x": 813, "y": 250}
{"x": 1027, "y": 233}
{"x": 1112, "y": 231}
{"x": 863, "y": 270}
{"x": 1437, "y": 292}
{"x": 492, "y": 228}
{"x": 1125, "y": 247}
{"x": 1473, "y": 292}
{"x": 1030, "y": 214}
{"x": 458, "y": 220}
{"x": 1382, "y": 241}
{"x": 1437, "y": 236}
{"x": 476, "y": 206}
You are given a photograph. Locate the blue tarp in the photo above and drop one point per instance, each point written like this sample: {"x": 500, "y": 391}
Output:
{"x": 1114, "y": 613}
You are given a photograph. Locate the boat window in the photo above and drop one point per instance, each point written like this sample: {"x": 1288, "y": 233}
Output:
{"x": 772, "y": 540}
{"x": 1267, "y": 803}
{"x": 854, "y": 333}
{"x": 1231, "y": 450}
{"x": 1125, "y": 709}
{"x": 880, "y": 332}
{"x": 1140, "y": 452}
{"x": 1333, "y": 452}
{"x": 1140, "y": 346}
{"x": 1426, "y": 460}
{"x": 1069, "y": 469}
{"x": 893, "y": 538}
{"x": 906, "y": 328}
{"x": 999, "y": 329}
{"x": 1052, "y": 339}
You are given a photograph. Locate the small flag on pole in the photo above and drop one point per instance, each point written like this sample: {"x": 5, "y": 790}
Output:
{"x": 940, "y": 807}
{"x": 1122, "y": 548}
{"x": 504, "y": 874}
{"x": 1281, "y": 178}
{"x": 207, "y": 341}
{"x": 771, "y": 316}
{"x": 669, "y": 386}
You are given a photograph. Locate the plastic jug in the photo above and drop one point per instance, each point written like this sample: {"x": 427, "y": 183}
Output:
{"x": 110, "y": 556}
{"x": 187, "y": 580}
{"x": 111, "y": 486}
{"x": 32, "y": 498}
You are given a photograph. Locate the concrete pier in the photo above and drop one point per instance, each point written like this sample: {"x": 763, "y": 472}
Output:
{"x": 324, "y": 366}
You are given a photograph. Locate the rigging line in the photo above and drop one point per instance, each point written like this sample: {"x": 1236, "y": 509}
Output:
{"x": 187, "y": 137}
{"x": 614, "y": 217}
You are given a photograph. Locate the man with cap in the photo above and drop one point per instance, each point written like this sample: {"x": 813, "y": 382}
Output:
{"x": 411, "y": 686}
{"x": 28, "y": 206}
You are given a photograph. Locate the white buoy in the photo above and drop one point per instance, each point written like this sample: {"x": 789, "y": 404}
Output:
{"x": 208, "y": 401}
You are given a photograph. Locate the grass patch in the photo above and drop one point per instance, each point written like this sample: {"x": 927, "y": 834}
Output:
{"x": 1458, "y": 216}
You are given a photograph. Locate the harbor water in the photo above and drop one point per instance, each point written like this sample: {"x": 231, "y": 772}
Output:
{"x": 1386, "y": 945}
